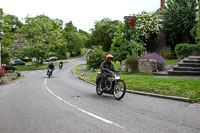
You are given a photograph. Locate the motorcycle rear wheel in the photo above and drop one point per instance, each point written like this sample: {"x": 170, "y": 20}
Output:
{"x": 119, "y": 89}
{"x": 98, "y": 87}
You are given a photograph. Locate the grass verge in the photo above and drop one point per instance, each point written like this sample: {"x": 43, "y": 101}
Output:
{"x": 33, "y": 67}
{"x": 77, "y": 69}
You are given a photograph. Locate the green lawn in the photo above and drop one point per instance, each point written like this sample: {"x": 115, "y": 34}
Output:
{"x": 171, "y": 61}
{"x": 77, "y": 69}
{"x": 33, "y": 67}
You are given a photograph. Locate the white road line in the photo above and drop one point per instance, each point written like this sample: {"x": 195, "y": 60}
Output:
{"x": 84, "y": 111}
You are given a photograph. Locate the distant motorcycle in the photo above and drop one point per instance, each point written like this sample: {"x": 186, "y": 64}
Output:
{"x": 49, "y": 72}
{"x": 116, "y": 86}
{"x": 60, "y": 66}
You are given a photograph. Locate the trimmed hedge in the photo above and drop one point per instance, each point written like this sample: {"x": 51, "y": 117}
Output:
{"x": 184, "y": 49}
{"x": 10, "y": 68}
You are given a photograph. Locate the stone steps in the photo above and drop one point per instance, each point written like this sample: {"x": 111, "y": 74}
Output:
{"x": 187, "y": 60}
{"x": 176, "y": 68}
{"x": 183, "y": 73}
{"x": 188, "y": 66}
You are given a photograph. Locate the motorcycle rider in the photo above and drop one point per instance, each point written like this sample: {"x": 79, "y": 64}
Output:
{"x": 61, "y": 64}
{"x": 52, "y": 67}
{"x": 105, "y": 67}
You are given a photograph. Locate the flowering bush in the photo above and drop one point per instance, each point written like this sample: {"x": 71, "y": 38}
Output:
{"x": 160, "y": 60}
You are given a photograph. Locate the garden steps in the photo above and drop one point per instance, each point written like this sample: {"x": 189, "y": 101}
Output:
{"x": 188, "y": 66}
{"x": 188, "y": 60}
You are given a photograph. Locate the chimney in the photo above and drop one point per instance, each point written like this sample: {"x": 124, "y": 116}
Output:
{"x": 162, "y": 3}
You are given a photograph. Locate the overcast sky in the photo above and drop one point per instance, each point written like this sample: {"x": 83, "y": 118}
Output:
{"x": 83, "y": 13}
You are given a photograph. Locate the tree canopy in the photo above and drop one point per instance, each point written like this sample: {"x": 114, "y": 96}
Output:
{"x": 41, "y": 34}
{"x": 103, "y": 34}
{"x": 179, "y": 18}
{"x": 9, "y": 24}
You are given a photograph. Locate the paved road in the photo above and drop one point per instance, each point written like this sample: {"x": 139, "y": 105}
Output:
{"x": 65, "y": 104}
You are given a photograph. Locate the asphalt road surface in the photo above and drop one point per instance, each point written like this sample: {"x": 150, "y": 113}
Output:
{"x": 65, "y": 104}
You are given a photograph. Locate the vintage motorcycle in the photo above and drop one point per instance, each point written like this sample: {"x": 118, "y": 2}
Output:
{"x": 49, "y": 72}
{"x": 60, "y": 66}
{"x": 114, "y": 85}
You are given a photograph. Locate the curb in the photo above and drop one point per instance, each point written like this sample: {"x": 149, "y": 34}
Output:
{"x": 144, "y": 93}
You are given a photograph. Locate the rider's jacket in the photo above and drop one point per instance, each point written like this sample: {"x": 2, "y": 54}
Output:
{"x": 107, "y": 65}
{"x": 51, "y": 66}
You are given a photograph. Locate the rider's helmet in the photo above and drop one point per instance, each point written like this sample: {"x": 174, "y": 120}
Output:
{"x": 109, "y": 56}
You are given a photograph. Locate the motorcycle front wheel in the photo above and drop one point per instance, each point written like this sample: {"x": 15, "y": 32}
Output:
{"x": 49, "y": 74}
{"x": 119, "y": 89}
{"x": 98, "y": 87}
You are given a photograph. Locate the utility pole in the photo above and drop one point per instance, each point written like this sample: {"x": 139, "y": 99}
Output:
{"x": 0, "y": 51}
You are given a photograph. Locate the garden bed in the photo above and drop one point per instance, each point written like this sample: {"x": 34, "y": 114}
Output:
{"x": 9, "y": 77}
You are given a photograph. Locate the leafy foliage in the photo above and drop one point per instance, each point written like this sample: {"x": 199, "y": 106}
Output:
{"x": 197, "y": 37}
{"x": 132, "y": 63}
{"x": 41, "y": 35}
{"x": 8, "y": 27}
{"x": 95, "y": 57}
{"x": 103, "y": 34}
{"x": 75, "y": 40}
{"x": 179, "y": 19}
{"x": 122, "y": 46}
{"x": 186, "y": 49}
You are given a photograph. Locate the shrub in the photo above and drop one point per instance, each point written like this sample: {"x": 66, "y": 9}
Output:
{"x": 14, "y": 77}
{"x": 160, "y": 60}
{"x": 1, "y": 81}
{"x": 95, "y": 57}
{"x": 1, "y": 74}
{"x": 165, "y": 55}
{"x": 184, "y": 49}
{"x": 18, "y": 74}
{"x": 10, "y": 68}
{"x": 137, "y": 48}
{"x": 132, "y": 63}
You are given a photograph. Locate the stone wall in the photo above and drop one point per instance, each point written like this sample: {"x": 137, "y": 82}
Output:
{"x": 158, "y": 44}
{"x": 147, "y": 65}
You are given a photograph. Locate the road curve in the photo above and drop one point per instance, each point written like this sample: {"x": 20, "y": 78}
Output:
{"x": 66, "y": 104}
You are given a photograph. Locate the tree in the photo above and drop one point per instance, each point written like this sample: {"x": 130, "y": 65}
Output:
{"x": 197, "y": 36}
{"x": 75, "y": 39}
{"x": 70, "y": 27}
{"x": 41, "y": 35}
{"x": 8, "y": 29}
{"x": 59, "y": 22}
{"x": 103, "y": 34}
{"x": 123, "y": 45}
{"x": 74, "y": 42}
{"x": 179, "y": 19}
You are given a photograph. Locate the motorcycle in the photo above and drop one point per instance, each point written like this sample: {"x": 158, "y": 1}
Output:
{"x": 114, "y": 84}
{"x": 60, "y": 66}
{"x": 49, "y": 72}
